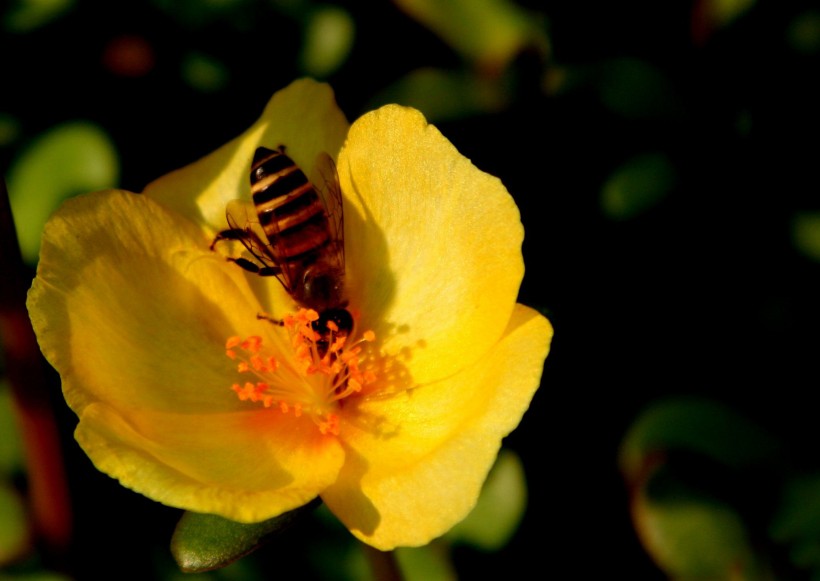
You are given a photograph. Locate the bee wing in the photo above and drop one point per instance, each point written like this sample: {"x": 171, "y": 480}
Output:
{"x": 327, "y": 186}
{"x": 241, "y": 215}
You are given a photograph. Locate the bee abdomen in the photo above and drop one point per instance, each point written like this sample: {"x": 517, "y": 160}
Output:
{"x": 289, "y": 209}
{"x": 302, "y": 241}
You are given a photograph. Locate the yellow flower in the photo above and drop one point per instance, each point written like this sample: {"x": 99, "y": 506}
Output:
{"x": 138, "y": 315}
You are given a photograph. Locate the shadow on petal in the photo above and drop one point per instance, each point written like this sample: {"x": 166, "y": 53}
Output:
{"x": 352, "y": 507}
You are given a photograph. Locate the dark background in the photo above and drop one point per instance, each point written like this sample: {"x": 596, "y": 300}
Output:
{"x": 704, "y": 292}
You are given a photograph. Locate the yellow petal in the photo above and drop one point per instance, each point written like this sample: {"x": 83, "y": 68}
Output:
{"x": 245, "y": 466}
{"x": 133, "y": 310}
{"x": 433, "y": 244}
{"x": 415, "y": 463}
{"x": 303, "y": 117}
{"x": 131, "y": 307}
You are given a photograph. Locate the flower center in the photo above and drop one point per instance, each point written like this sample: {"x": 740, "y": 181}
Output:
{"x": 330, "y": 370}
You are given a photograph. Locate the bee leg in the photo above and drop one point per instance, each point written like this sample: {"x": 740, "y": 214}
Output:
{"x": 232, "y": 234}
{"x": 269, "y": 319}
{"x": 255, "y": 268}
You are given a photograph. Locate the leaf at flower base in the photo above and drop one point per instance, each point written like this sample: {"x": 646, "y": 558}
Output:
{"x": 500, "y": 507}
{"x": 203, "y": 542}
{"x": 74, "y": 157}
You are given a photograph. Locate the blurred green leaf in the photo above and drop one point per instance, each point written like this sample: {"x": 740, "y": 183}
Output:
{"x": 500, "y": 508}
{"x": 488, "y": 33}
{"x": 804, "y": 32}
{"x": 71, "y": 158}
{"x": 723, "y": 12}
{"x": 202, "y": 542}
{"x": 9, "y": 129}
{"x": 328, "y": 39}
{"x": 26, "y": 15}
{"x": 694, "y": 539}
{"x": 798, "y": 516}
{"x": 204, "y": 73}
{"x": 201, "y": 13}
{"x": 445, "y": 95}
{"x": 690, "y": 464}
{"x": 695, "y": 425}
{"x": 429, "y": 563}
{"x": 637, "y": 90}
{"x": 638, "y": 185}
{"x": 14, "y": 529}
{"x": 806, "y": 234}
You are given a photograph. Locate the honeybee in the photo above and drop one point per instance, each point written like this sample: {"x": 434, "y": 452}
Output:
{"x": 294, "y": 229}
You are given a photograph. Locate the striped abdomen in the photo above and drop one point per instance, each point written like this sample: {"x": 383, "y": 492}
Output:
{"x": 290, "y": 211}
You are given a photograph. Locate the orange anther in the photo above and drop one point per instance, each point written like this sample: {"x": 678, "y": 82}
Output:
{"x": 328, "y": 363}
{"x": 258, "y": 363}
{"x": 252, "y": 344}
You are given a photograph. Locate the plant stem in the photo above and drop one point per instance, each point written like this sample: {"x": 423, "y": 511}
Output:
{"x": 383, "y": 564}
{"x": 27, "y": 374}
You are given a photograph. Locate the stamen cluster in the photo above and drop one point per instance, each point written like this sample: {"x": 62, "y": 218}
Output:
{"x": 331, "y": 368}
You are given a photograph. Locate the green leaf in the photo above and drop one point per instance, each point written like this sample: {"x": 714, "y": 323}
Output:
{"x": 9, "y": 129}
{"x": 27, "y": 15}
{"x": 500, "y": 507}
{"x": 428, "y": 563}
{"x": 15, "y": 535}
{"x": 797, "y": 520}
{"x": 804, "y": 32}
{"x": 695, "y": 425}
{"x": 694, "y": 538}
{"x": 72, "y": 158}
{"x": 488, "y": 33}
{"x": 444, "y": 95}
{"x": 329, "y": 36}
{"x": 204, "y": 73}
{"x": 203, "y": 542}
{"x": 638, "y": 185}
{"x": 806, "y": 234}
{"x": 636, "y": 89}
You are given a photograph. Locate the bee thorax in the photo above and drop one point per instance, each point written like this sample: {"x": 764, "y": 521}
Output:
{"x": 322, "y": 288}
